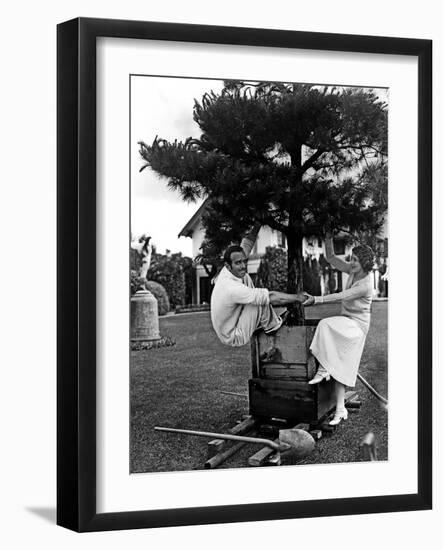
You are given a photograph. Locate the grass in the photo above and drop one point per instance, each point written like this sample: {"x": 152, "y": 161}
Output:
{"x": 180, "y": 387}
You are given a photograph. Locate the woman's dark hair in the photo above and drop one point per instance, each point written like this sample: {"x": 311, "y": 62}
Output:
{"x": 365, "y": 256}
{"x": 229, "y": 251}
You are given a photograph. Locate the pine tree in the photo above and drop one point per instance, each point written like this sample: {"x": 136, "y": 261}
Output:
{"x": 302, "y": 159}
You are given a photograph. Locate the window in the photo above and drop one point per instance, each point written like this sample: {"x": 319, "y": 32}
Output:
{"x": 281, "y": 239}
{"x": 205, "y": 290}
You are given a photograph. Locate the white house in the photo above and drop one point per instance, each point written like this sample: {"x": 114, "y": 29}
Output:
{"x": 267, "y": 237}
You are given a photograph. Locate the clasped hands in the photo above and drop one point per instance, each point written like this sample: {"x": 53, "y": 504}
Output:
{"x": 305, "y": 298}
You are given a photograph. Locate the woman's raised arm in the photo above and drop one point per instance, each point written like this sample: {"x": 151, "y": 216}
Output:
{"x": 338, "y": 263}
{"x": 248, "y": 240}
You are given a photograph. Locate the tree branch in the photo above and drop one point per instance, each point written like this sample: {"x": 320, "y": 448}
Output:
{"x": 272, "y": 223}
{"x": 361, "y": 148}
{"x": 312, "y": 159}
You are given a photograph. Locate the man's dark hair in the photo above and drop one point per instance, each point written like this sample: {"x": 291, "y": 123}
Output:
{"x": 229, "y": 251}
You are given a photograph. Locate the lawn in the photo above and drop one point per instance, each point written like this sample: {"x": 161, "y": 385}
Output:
{"x": 180, "y": 386}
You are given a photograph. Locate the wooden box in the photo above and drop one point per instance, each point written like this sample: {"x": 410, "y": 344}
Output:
{"x": 282, "y": 365}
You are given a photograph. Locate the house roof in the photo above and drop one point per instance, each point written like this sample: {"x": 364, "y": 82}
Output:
{"x": 191, "y": 225}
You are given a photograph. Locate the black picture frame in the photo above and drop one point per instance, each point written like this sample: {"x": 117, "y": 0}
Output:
{"x": 76, "y": 293}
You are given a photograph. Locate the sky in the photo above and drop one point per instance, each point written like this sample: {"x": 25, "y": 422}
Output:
{"x": 163, "y": 106}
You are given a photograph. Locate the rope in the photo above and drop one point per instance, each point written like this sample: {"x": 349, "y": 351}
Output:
{"x": 371, "y": 389}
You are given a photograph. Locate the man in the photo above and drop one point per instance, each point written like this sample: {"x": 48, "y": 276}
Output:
{"x": 237, "y": 308}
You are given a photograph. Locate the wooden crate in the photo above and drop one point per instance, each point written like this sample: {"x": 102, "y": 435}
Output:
{"x": 282, "y": 365}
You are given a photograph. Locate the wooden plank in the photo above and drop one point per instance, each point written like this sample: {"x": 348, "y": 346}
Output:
{"x": 273, "y": 460}
{"x": 285, "y": 357}
{"x": 216, "y": 446}
{"x": 268, "y": 393}
{"x": 292, "y": 400}
{"x": 224, "y": 454}
{"x": 281, "y": 399}
{"x": 260, "y": 457}
{"x": 298, "y": 387}
{"x": 284, "y": 408}
{"x": 244, "y": 426}
{"x": 281, "y": 423}
{"x": 284, "y": 371}
{"x": 288, "y": 345}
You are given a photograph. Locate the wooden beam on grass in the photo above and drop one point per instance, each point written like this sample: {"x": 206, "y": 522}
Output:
{"x": 216, "y": 446}
{"x": 223, "y": 455}
{"x": 261, "y": 457}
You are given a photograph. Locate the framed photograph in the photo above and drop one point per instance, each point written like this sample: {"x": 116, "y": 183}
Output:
{"x": 244, "y": 274}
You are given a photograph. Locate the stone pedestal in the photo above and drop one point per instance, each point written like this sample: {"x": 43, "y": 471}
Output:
{"x": 144, "y": 317}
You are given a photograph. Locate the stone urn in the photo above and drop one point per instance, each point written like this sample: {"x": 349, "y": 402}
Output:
{"x": 144, "y": 317}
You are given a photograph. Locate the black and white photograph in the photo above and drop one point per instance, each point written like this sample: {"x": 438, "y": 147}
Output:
{"x": 221, "y": 292}
{"x": 259, "y": 274}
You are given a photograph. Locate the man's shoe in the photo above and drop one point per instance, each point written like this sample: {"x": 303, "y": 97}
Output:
{"x": 284, "y": 317}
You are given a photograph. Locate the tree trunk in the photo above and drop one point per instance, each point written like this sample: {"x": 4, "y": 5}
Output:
{"x": 295, "y": 239}
{"x": 295, "y": 275}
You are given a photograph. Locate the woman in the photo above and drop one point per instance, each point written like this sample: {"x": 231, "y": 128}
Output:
{"x": 338, "y": 341}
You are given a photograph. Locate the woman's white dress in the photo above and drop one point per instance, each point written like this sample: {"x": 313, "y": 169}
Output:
{"x": 339, "y": 341}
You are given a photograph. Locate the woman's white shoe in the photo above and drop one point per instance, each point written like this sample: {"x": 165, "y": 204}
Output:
{"x": 321, "y": 374}
{"x": 339, "y": 416}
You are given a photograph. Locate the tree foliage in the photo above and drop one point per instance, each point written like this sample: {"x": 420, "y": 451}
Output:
{"x": 157, "y": 290}
{"x": 173, "y": 271}
{"x": 161, "y": 295}
{"x": 299, "y": 158}
{"x": 167, "y": 270}
{"x": 272, "y": 272}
